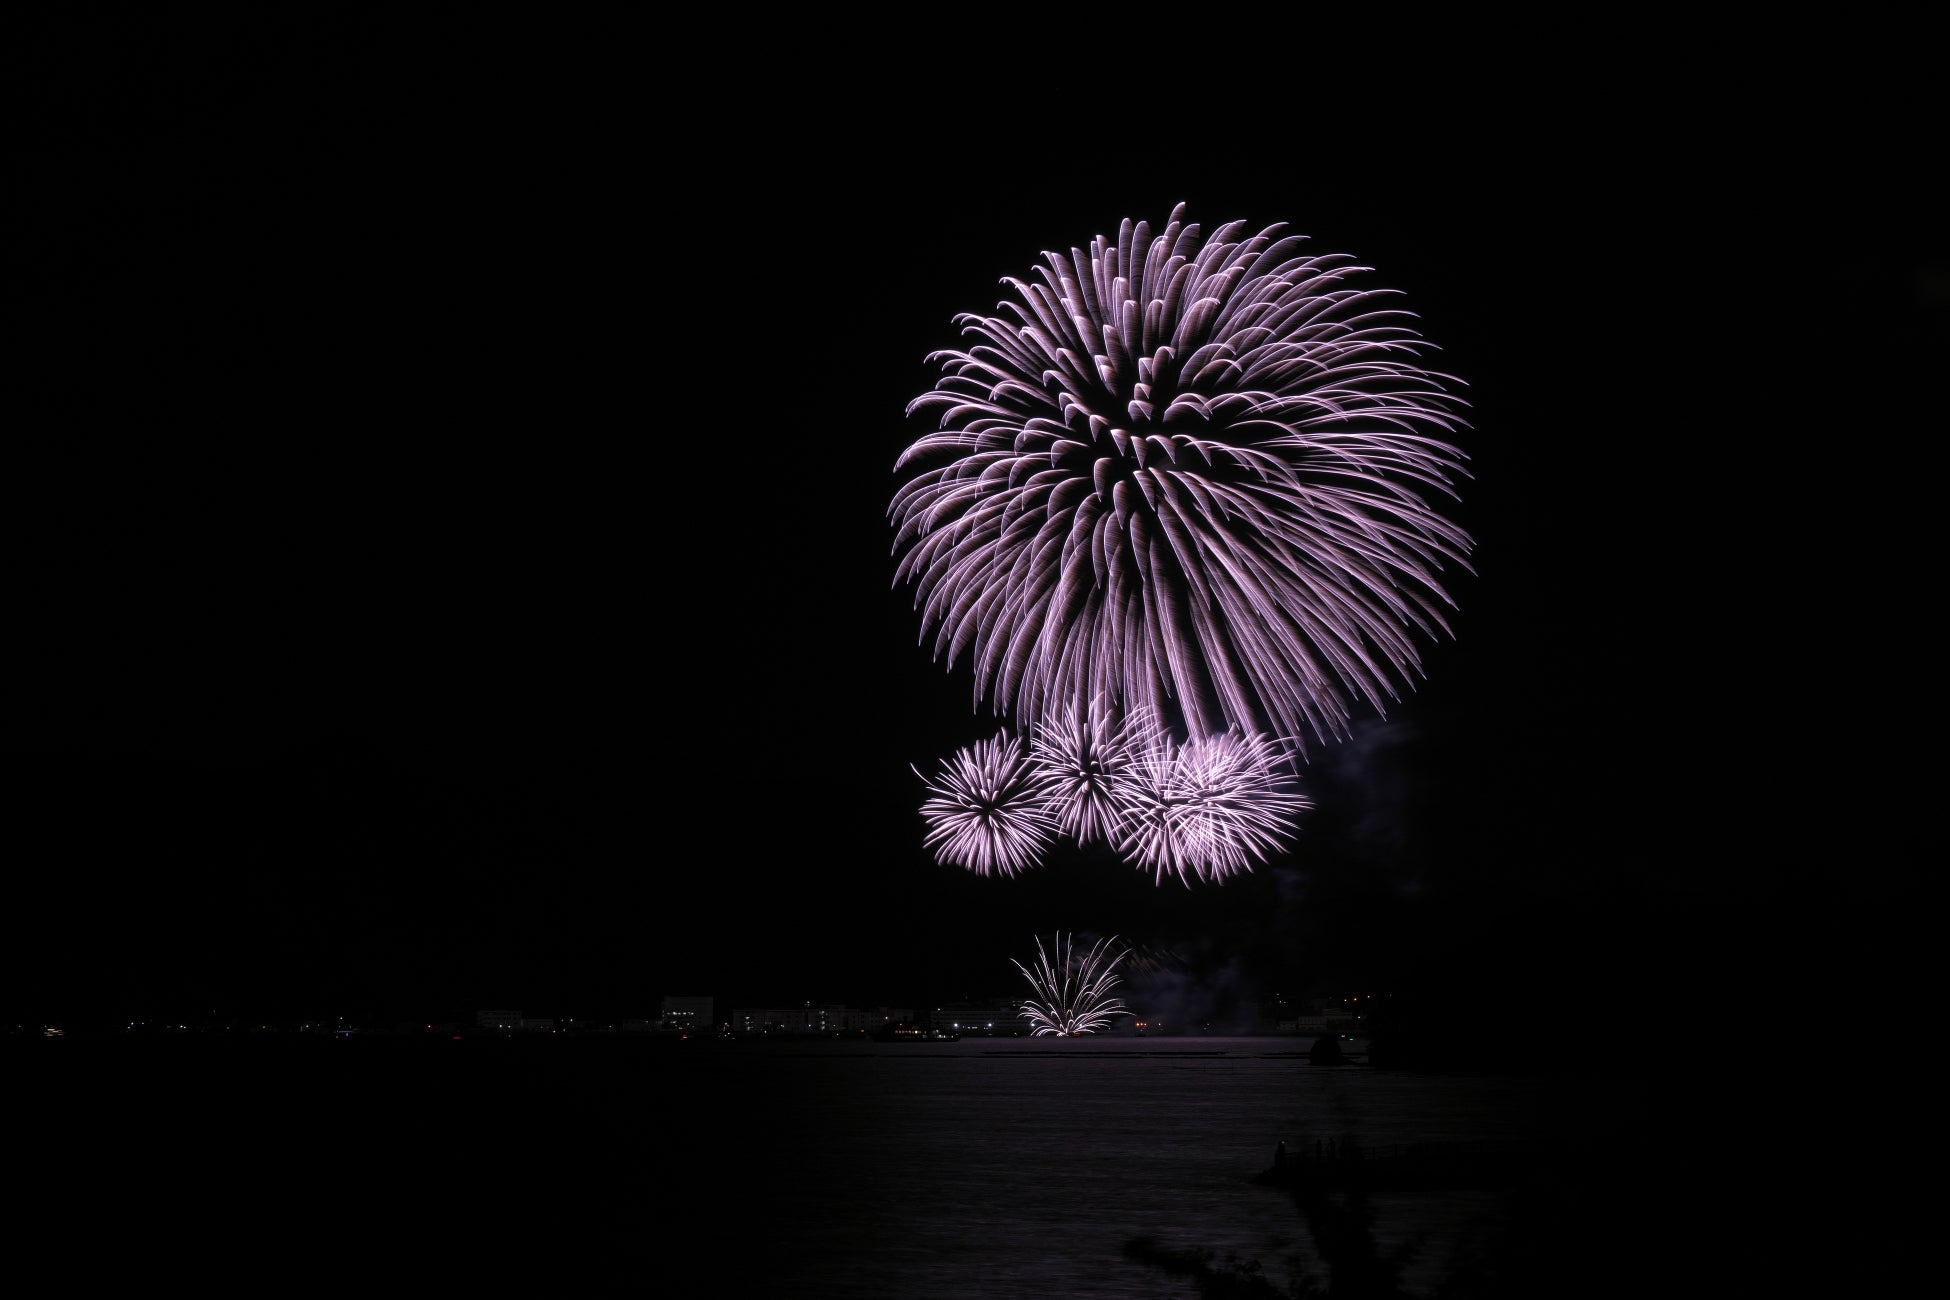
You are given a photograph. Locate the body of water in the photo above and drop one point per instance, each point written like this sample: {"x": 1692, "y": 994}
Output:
{"x": 1017, "y": 1167}
{"x": 1098, "y": 1167}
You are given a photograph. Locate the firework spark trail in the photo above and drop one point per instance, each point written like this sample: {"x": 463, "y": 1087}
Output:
{"x": 986, "y": 811}
{"x": 1191, "y": 476}
{"x": 1072, "y": 995}
{"x": 1209, "y": 808}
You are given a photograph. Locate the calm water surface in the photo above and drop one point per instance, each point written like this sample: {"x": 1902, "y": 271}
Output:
{"x": 979, "y": 1168}
{"x": 1012, "y": 1167}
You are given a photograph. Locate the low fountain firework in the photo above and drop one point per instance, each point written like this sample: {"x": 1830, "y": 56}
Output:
{"x": 1073, "y": 995}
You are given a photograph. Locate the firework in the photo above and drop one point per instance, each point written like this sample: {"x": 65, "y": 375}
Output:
{"x": 1209, "y": 808}
{"x": 1072, "y": 994}
{"x": 986, "y": 811}
{"x": 1082, "y": 759}
{"x": 1205, "y": 809}
{"x": 1190, "y": 475}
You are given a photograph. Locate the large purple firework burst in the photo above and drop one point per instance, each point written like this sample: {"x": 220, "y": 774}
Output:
{"x": 1188, "y": 474}
{"x": 1179, "y": 512}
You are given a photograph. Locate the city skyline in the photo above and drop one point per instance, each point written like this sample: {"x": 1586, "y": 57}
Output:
{"x": 997, "y": 1014}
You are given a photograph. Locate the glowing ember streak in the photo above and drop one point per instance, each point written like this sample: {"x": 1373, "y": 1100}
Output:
{"x": 1208, "y": 808}
{"x": 1192, "y": 475}
{"x": 986, "y": 811}
{"x": 1073, "y": 996}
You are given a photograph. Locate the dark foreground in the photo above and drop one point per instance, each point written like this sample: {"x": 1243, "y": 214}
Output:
{"x": 298, "y": 1167}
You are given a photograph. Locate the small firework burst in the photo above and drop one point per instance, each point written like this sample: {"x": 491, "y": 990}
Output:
{"x": 1072, "y": 994}
{"x": 986, "y": 811}
{"x": 1082, "y": 760}
{"x": 1206, "y": 809}
{"x": 1209, "y": 808}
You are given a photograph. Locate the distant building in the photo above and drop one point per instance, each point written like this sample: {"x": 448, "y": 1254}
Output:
{"x": 830, "y": 1019}
{"x": 1330, "y": 1016}
{"x": 980, "y": 1018}
{"x": 497, "y": 1019}
{"x": 686, "y": 1013}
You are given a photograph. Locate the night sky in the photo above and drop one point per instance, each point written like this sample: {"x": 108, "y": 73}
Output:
{"x": 448, "y": 563}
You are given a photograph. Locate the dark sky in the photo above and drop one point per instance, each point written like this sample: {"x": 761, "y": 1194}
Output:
{"x": 448, "y": 562}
